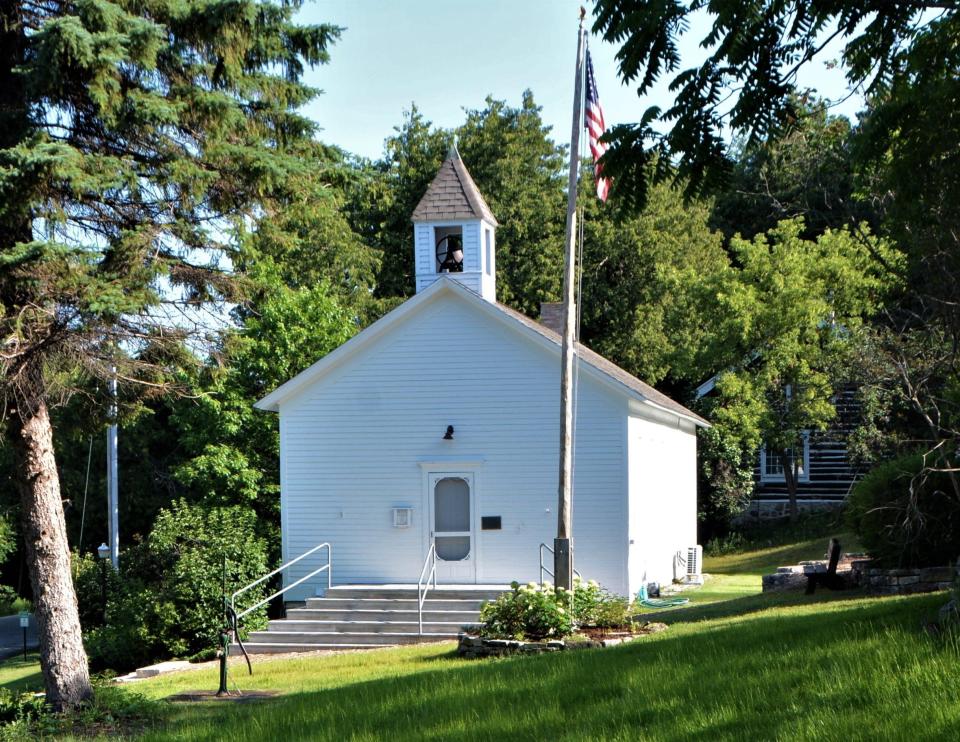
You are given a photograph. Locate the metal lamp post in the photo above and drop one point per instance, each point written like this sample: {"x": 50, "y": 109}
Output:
{"x": 103, "y": 551}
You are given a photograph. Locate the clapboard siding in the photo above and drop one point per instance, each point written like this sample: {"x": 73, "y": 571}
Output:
{"x": 663, "y": 498}
{"x": 832, "y": 474}
{"x": 352, "y": 443}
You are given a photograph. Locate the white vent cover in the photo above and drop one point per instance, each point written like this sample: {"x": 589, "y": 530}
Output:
{"x": 402, "y": 517}
{"x": 694, "y": 561}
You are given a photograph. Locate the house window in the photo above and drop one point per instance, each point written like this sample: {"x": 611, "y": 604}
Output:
{"x": 489, "y": 251}
{"x": 771, "y": 463}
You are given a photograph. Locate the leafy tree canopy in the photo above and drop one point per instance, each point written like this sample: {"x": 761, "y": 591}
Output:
{"x": 747, "y": 78}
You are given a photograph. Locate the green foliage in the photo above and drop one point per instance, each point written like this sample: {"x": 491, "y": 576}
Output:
{"x": 8, "y": 537}
{"x": 806, "y": 171}
{"x": 535, "y": 612}
{"x": 520, "y": 172}
{"x": 648, "y": 282}
{"x": 755, "y": 48}
{"x": 232, "y": 450}
{"x": 111, "y": 710}
{"x": 11, "y": 603}
{"x": 517, "y": 168}
{"x": 167, "y": 600}
{"x": 528, "y": 612}
{"x": 725, "y": 481}
{"x": 906, "y": 515}
{"x": 380, "y": 208}
{"x": 596, "y": 606}
{"x": 787, "y": 316}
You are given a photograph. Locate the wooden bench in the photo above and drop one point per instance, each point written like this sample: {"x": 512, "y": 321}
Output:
{"x": 829, "y": 579}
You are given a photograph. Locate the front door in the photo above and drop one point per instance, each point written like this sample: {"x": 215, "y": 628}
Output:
{"x": 451, "y": 527}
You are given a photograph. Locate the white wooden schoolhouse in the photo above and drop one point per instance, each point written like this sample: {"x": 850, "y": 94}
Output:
{"x": 439, "y": 425}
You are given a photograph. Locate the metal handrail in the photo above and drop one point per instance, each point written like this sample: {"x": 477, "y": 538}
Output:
{"x": 544, "y": 569}
{"x": 328, "y": 567}
{"x": 423, "y": 588}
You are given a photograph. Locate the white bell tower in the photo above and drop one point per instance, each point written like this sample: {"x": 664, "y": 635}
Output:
{"x": 454, "y": 232}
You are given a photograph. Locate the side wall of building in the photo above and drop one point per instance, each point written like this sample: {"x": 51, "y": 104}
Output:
{"x": 663, "y": 496}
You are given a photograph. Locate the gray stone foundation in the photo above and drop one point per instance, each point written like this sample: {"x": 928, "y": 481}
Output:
{"x": 858, "y": 572}
{"x": 766, "y": 510}
{"x": 473, "y": 646}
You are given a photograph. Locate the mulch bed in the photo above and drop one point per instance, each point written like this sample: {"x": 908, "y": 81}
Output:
{"x": 209, "y": 695}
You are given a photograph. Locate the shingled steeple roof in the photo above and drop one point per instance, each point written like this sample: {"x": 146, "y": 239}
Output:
{"x": 452, "y": 195}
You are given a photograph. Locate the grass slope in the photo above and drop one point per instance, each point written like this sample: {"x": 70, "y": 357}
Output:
{"x": 734, "y": 665}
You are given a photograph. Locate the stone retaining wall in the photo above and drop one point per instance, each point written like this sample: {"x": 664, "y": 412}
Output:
{"x": 859, "y": 573}
{"x": 903, "y": 581}
{"x": 472, "y": 646}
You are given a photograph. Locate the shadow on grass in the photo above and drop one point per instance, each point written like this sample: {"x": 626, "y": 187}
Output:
{"x": 765, "y": 560}
{"x": 760, "y": 679}
{"x": 749, "y": 604}
{"x": 18, "y": 674}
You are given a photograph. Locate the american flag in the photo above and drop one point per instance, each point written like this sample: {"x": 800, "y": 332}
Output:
{"x": 595, "y": 126}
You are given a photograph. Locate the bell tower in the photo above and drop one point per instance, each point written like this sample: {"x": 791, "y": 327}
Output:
{"x": 453, "y": 231}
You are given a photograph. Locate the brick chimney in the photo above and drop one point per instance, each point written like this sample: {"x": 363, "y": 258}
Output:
{"x": 551, "y": 315}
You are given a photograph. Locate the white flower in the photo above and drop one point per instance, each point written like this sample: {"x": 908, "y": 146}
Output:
{"x": 593, "y": 583}
{"x": 560, "y": 611}
{"x": 561, "y": 589}
{"x": 533, "y": 586}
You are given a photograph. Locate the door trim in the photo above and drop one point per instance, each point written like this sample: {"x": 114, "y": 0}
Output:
{"x": 470, "y": 472}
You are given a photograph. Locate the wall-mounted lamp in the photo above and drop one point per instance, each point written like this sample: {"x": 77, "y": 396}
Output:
{"x": 448, "y": 436}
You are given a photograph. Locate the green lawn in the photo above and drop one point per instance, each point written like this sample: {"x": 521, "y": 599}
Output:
{"x": 733, "y": 665}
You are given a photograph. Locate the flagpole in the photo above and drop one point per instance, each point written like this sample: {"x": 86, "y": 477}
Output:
{"x": 562, "y": 544}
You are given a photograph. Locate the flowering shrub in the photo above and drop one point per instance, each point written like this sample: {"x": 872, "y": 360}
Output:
{"x": 528, "y": 612}
{"x": 596, "y": 606}
{"x": 534, "y": 612}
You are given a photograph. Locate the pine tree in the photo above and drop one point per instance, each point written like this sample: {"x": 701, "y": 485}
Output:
{"x": 137, "y": 139}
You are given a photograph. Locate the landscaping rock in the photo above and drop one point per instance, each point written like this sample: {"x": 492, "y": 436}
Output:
{"x": 471, "y": 647}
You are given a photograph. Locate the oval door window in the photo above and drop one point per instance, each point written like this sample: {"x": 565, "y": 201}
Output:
{"x": 451, "y": 515}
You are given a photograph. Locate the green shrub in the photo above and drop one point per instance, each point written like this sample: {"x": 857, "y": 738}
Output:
{"x": 11, "y": 603}
{"x": 167, "y": 600}
{"x": 595, "y": 606}
{"x": 904, "y": 520}
{"x": 529, "y": 612}
{"x": 534, "y": 612}
{"x": 112, "y": 711}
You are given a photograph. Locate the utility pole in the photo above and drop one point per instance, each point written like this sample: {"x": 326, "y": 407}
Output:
{"x": 113, "y": 509}
{"x": 562, "y": 544}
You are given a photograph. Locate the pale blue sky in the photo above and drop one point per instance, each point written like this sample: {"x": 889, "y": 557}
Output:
{"x": 447, "y": 55}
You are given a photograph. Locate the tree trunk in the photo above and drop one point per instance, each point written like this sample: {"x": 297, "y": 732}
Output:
{"x": 62, "y": 657}
{"x": 790, "y": 480}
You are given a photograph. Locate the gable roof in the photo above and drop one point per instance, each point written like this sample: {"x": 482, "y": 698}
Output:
{"x": 452, "y": 195}
{"x": 621, "y": 379}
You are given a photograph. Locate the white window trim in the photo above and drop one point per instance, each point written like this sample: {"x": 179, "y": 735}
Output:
{"x": 804, "y": 475}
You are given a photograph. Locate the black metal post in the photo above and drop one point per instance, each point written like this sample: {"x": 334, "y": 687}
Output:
{"x": 225, "y": 637}
{"x": 24, "y": 642}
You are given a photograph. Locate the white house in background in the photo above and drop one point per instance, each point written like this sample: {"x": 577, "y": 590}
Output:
{"x": 440, "y": 423}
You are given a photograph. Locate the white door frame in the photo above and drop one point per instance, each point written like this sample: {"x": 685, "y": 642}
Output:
{"x": 468, "y": 471}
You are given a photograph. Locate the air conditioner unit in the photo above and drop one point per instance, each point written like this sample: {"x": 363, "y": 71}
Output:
{"x": 688, "y": 565}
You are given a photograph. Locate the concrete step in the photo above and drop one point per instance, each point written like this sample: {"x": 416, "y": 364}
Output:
{"x": 345, "y": 638}
{"x": 260, "y": 648}
{"x": 455, "y": 604}
{"x": 364, "y": 616}
{"x": 379, "y": 614}
{"x": 442, "y": 592}
{"x": 366, "y": 627}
